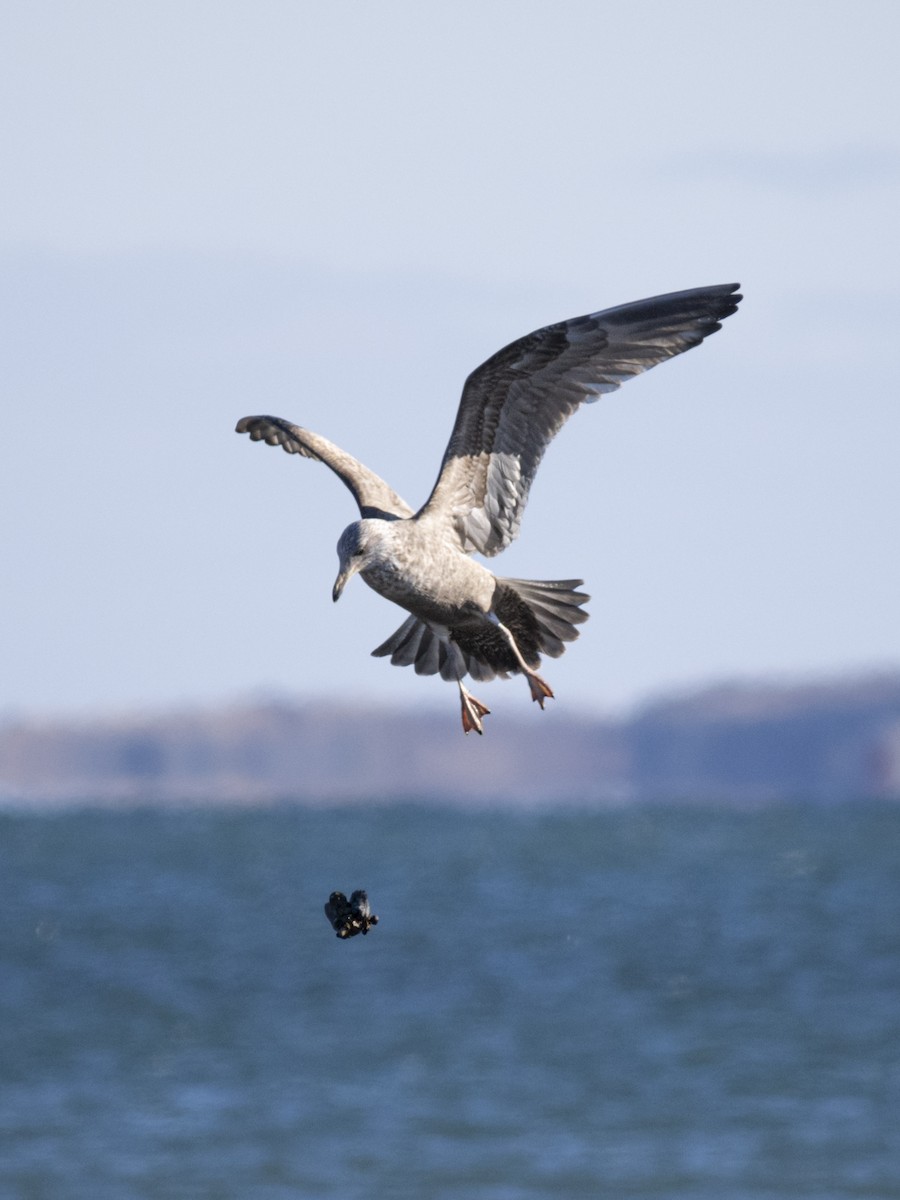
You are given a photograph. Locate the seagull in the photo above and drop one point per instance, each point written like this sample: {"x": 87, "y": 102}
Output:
{"x": 464, "y": 620}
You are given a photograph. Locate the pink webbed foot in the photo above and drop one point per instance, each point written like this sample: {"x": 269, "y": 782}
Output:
{"x": 472, "y": 712}
{"x": 540, "y": 690}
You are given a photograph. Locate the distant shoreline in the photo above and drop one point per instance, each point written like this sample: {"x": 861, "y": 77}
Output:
{"x": 739, "y": 742}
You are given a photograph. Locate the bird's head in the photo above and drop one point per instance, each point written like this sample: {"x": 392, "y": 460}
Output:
{"x": 355, "y": 549}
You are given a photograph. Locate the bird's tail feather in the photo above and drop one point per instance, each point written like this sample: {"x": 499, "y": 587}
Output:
{"x": 415, "y": 644}
{"x": 556, "y": 606}
{"x": 540, "y": 614}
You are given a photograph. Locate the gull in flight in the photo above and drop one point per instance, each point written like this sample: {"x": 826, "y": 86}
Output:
{"x": 463, "y": 619}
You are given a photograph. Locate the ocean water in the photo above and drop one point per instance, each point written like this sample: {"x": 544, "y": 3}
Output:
{"x": 644, "y": 1002}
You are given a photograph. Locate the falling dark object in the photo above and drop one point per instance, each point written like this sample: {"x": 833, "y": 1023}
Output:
{"x": 350, "y": 917}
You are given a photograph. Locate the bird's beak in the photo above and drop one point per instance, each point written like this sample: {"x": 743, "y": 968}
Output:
{"x": 341, "y": 582}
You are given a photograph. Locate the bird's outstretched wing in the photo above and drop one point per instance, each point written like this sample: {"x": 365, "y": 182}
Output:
{"x": 514, "y": 404}
{"x": 372, "y": 494}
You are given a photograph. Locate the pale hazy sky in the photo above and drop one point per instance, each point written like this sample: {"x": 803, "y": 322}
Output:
{"x": 333, "y": 213}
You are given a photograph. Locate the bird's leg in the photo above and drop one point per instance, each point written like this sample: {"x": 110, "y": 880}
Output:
{"x": 472, "y": 710}
{"x": 540, "y": 690}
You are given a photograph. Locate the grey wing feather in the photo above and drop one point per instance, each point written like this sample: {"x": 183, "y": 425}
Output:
{"x": 372, "y": 494}
{"x": 514, "y": 404}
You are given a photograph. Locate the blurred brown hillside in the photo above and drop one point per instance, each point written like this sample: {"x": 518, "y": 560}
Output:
{"x": 740, "y": 742}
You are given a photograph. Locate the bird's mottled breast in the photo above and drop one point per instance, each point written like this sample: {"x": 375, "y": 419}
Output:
{"x": 427, "y": 575}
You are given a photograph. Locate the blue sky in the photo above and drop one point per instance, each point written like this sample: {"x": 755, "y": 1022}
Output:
{"x": 334, "y": 213}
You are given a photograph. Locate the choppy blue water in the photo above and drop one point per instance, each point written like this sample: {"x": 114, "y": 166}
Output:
{"x": 649, "y": 1002}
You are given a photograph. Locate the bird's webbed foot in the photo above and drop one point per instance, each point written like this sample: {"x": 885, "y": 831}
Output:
{"x": 472, "y": 711}
{"x": 540, "y": 689}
